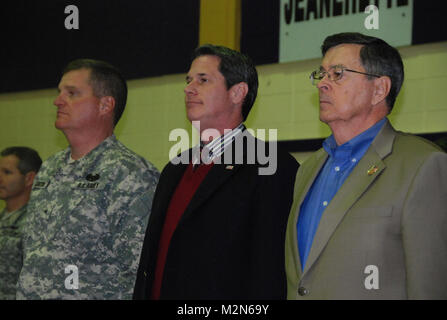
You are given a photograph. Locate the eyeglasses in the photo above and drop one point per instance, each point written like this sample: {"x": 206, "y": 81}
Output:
{"x": 335, "y": 73}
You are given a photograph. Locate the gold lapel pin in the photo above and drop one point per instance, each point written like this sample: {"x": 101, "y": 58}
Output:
{"x": 372, "y": 170}
{"x": 229, "y": 167}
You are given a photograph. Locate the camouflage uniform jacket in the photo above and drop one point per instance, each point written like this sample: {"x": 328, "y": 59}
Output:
{"x": 11, "y": 232}
{"x": 86, "y": 224}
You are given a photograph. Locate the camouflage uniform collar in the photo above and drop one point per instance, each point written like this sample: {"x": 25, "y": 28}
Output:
{"x": 92, "y": 155}
{"x": 63, "y": 167}
{"x": 10, "y": 218}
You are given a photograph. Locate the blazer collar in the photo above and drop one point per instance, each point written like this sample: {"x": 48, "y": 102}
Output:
{"x": 222, "y": 171}
{"x": 217, "y": 176}
{"x": 364, "y": 174}
{"x": 307, "y": 175}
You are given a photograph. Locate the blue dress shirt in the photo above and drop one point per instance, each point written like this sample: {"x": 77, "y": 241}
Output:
{"x": 340, "y": 163}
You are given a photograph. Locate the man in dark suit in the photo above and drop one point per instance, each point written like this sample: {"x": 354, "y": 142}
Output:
{"x": 368, "y": 219}
{"x": 217, "y": 228}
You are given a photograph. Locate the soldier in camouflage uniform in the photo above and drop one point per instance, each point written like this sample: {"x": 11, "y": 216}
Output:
{"x": 91, "y": 202}
{"x": 18, "y": 167}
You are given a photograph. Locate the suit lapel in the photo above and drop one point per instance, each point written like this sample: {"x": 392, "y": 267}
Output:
{"x": 173, "y": 175}
{"x": 303, "y": 182}
{"x": 221, "y": 171}
{"x": 217, "y": 176}
{"x": 363, "y": 175}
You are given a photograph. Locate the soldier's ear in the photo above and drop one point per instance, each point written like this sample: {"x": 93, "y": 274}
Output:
{"x": 106, "y": 105}
{"x": 29, "y": 178}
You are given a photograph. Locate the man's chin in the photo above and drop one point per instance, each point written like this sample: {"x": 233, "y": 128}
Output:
{"x": 324, "y": 118}
{"x": 192, "y": 116}
{"x": 59, "y": 125}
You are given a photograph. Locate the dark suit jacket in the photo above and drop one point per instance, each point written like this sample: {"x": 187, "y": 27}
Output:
{"x": 229, "y": 243}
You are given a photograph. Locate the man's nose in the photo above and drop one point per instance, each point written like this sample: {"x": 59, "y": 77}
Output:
{"x": 58, "y": 102}
{"x": 190, "y": 88}
{"x": 325, "y": 83}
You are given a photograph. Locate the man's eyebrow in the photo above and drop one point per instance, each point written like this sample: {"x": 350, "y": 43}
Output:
{"x": 198, "y": 74}
{"x": 66, "y": 87}
{"x": 202, "y": 74}
{"x": 333, "y": 66}
{"x": 337, "y": 65}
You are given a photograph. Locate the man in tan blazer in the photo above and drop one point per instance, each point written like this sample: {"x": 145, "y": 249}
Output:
{"x": 369, "y": 215}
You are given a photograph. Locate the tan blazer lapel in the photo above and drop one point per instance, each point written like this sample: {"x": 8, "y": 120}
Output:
{"x": 363, "y": 175}
{"x": 303, "y": 182}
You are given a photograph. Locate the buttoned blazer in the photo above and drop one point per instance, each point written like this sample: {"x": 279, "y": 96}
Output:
{"x": 384, "y": 234}
{"x": 229, "y": 242}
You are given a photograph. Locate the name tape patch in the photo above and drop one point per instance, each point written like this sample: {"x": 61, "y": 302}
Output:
{"x": 87, "y": 185}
